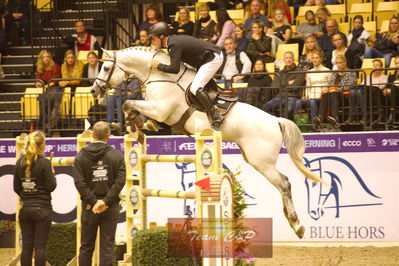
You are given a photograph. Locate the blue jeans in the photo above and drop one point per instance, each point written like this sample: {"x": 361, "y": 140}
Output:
{"x": 356, "y": 97}
{"x": 313, "y": 103}
{"x": 112, "y": 103}
{"x": 274, "y": 103}
{"x": 374, "y": 53}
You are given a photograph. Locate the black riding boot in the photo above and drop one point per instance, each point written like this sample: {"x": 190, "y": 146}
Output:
{"x": 212, "y": 111}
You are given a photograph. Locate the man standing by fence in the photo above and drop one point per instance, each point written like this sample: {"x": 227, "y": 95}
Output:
{"x": 99, "y": 173}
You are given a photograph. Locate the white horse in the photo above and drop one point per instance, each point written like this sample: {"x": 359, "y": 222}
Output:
{"x": 259, "y": 134}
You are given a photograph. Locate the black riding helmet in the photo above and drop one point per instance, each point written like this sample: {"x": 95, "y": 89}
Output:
{"x": 159, "y": 28}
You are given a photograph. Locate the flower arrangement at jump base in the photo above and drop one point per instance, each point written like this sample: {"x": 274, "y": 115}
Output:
{"x": 6, "y": 226}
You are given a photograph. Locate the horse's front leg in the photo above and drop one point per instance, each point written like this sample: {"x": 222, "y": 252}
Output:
{"x": 153, "y": 109}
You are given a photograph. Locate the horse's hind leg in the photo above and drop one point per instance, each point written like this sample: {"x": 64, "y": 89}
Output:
{"x": 283, "y": 185}
{"x": 289, "y": 210}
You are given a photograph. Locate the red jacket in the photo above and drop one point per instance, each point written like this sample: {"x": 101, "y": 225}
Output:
{"x": 55, "y": 72}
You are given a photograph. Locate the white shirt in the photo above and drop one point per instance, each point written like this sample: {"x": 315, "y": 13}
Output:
{"x": 230, "y": 68}
{"x": 379, "y": 82}
{"x": 316, "y": 82}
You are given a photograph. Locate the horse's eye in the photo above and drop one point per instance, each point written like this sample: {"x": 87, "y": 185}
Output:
{"x": 106, "y": 68}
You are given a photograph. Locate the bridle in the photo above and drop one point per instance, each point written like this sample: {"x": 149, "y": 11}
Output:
{"x": 107, "y": 83}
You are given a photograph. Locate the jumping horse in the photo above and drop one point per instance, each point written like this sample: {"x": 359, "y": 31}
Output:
{"x": 258, "y": 134}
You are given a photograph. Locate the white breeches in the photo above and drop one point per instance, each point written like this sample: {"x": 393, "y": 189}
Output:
{"x": 206, "y": 72}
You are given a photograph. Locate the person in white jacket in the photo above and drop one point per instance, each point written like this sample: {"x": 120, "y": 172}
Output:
{"x": 315, "y": 83}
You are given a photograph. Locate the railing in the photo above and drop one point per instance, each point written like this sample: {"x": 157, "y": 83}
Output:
{"x": 78, "y": 106}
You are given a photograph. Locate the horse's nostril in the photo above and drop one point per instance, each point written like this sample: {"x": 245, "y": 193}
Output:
{"x": 93, "y": 91}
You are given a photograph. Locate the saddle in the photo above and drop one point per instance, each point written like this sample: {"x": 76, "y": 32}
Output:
{"x": 223, "y": 98}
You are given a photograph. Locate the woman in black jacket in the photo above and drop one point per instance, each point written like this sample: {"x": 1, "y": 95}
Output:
{"x": 91, "y": 69}
{"x": 341, "y": 49}
{"x": 33, "y": 182}
{"x": 257, "y": 92}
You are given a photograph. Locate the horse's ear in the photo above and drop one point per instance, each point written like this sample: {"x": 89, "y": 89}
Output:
{"x": 108, "y": 53}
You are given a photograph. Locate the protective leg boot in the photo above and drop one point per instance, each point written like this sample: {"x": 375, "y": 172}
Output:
{"x": 212, "y": 111}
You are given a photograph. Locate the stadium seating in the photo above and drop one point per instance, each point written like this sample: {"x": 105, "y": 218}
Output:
{"x": 82, "y": 102}
{"x": 338, "y": 12}
{"x": 385, "y": 11}
{"x": 364, "y": 9}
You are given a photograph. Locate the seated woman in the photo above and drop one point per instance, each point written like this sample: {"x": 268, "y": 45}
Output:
{"x": 204, "y": 27}
{"x": 224, "y": 27}
{"x": 387, "y": 43}
{"x": 70, "y": 69}
{"x": 315, "y": 84}
{"x": 340, "y": 49}
{"x": 260, "y": 45}
{"x": 91, "y": 69}
{"x": 342, "y": 83}
{"x": 256, "y": 93}
{"x": 47, "y": 69}
{"x": 281, "y": 28}
{"x": 378, "y": 89}
{"x": 153, "y": 15}
{"x": 359, "y": 37}
{"x": 183, "y": 25}
{"x": 311, "y": 46}
{"x": 240, "y": 34}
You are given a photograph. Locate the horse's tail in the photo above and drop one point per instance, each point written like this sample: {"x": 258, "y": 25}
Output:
{"x": 295, "y": 146}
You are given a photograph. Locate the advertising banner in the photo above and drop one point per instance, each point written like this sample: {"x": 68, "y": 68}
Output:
{"x": 360, "y": 205}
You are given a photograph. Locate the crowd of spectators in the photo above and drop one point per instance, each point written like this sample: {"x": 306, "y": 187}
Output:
{"x": 331, "y": 57}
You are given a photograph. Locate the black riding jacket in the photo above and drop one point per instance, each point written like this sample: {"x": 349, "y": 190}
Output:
{"x": 189, "y": 50}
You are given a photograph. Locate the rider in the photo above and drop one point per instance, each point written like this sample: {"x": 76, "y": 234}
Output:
{"x": 206, "y": 57}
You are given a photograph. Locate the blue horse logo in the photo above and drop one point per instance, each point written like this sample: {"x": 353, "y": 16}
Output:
{"x": 321, "y": 198}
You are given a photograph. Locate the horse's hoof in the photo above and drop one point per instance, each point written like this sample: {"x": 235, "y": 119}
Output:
{"x": 300, "y": 232}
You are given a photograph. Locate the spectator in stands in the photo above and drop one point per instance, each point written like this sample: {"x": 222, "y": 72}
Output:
{"x": 315, "y": 84}
{"x": 153, "y": 15}
{"x": 240, "y": 34}
{"x": 281, "y": 28}
{"x": 230, "y": 4}
{"x": 91, "y": 69}
{"x": 359, "y": 37}
{"x": 71, "y": 68}
{"x": 311, "y": 46}
{"x": 340, "y": 49}
{"x": 204, "y": 27}
{"x": 83, "y": 41}
{"x": 290, "y": 85}
{"x": 257, "y": 91}
{"x": 283, "y": 5}
{"x": 18, "y": 22}
{"x": 129, "y": 89}
{"x": 319, "y": 3}
{"x": 296, "y": 4}
{"x": 387, "y": 43}
{"x": 343, "y": 83}
{"x": 255, "y": 15}
{"x": 47, "y": 69}
{"x": 325, "y": 41}
{"x": 392, "y": 91}
{"x": 144, "y": 38}
{"x": 260, "y": 44}
{"x": 378, "y": 88}
{"x": 224, "y": 27}
{"x": 322, "y": 15}
{"x": 234, "y": 62}
{"x": 308, "y": 27}
{"x": 183, "y": 25}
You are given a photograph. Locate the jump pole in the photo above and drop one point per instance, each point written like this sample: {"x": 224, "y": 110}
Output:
{"x": 213, "y": 203}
